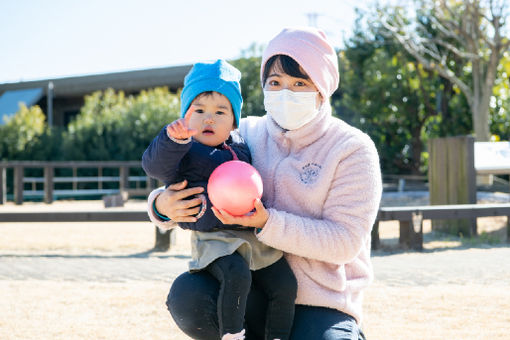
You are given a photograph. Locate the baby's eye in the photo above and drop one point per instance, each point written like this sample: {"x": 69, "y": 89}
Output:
{"x": 199, "y": 111}
{"x": 220, "y": 113}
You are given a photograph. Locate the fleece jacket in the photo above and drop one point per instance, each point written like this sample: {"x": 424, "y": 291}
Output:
{"x": 322, "y": 189}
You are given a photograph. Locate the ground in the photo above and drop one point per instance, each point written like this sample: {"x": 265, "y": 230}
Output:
{"x": 101, "y": 281}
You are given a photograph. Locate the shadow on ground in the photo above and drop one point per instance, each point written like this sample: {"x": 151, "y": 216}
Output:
{"x": 151, "y": 253}
{"x": 435, "y": 241}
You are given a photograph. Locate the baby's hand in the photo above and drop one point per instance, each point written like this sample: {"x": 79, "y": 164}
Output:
{"x": 179, "y": 129}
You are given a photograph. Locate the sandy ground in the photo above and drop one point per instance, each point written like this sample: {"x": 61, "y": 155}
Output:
{"x": 101, "y": 281}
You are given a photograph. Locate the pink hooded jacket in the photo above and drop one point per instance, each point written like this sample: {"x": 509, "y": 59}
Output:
{"x": 322, "y": 187}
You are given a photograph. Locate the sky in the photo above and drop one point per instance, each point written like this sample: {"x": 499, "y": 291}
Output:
{"x": 45, "y": 39}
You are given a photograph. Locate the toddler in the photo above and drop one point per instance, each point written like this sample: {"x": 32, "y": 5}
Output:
{"x": 191, "y": 148}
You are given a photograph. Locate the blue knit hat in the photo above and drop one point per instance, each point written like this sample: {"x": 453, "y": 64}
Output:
{"x": 219, "y": 77}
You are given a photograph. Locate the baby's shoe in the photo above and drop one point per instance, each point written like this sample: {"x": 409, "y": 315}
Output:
{"x": 237, "y": 336}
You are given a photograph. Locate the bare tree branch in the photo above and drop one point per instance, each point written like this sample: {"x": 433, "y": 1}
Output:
{"x": 449, "y": 32}
{"x": 441, "y": 69}
{"x": 444, "y": 4}
{"x": 453, "y": 49}
{"x": 471, "y": 30}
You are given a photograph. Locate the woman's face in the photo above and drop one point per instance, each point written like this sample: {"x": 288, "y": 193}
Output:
{"x": 278, "y": 80}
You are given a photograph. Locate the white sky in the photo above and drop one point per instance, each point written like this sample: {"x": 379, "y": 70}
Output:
{"x": 42, "y": 39}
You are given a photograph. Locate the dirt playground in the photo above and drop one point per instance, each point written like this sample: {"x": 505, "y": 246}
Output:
{"x": 102, "y": 281}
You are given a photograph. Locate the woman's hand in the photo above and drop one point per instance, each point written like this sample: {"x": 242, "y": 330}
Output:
{"x": 173, "y": 203}
{"x": 257, "y": 219}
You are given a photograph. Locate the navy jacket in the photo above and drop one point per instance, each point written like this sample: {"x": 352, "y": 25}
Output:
{"x": 171, "y": 162}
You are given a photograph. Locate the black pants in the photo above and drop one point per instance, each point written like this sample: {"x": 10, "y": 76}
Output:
{"x": 192, "y": 303}
{"x": 235, "y": 280}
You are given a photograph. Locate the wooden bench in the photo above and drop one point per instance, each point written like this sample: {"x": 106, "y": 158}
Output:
{"x": 411, "y": 219}
{"x": 163, "y": 239}
{"x": 117, "y": 215}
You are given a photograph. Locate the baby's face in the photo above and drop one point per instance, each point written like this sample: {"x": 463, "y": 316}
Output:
{"x": 212, "y": 117}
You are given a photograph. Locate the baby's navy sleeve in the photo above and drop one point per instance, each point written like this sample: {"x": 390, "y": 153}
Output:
{"x": 162, "y": 158}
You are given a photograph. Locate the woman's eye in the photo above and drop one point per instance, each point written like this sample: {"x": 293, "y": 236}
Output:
{"x": 300, "y": 83}
{"x": 273, "y": 83}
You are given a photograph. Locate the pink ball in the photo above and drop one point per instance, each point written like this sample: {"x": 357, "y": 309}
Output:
{"x": 233, "y": 186}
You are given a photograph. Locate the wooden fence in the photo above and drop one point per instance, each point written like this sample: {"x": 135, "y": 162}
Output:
{"x": 411, "y": 219}
{"x": 142, "y": 184}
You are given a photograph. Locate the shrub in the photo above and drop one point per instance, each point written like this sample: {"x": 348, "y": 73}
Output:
{"x": 111, "y": 126}
{"x": 21, "y": 134}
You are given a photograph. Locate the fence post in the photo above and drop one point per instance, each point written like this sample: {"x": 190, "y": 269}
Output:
{"x": 452, "y": 179}
{"x": 3, "y": 185}
{"x": 123, "y": 178}
{"x": 148, "y": 184}
{"x": 48, "y": 184}
{"x": 18, "y": 184}
{"x": 99, "y": 175}
{"x": 75, "y": 175}
{"x": 376, "y": 241}
{"x": 508, "y": 229}
{"x": 164, "y": 239}
{"x": 410, "y": 238}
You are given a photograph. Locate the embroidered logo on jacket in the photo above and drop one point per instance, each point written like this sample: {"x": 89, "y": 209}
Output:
{"x": 310, "y": 173}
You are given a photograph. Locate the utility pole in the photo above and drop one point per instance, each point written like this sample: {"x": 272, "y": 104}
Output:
{"x": 49, "y": 104}
{"x": 312, "y": 18}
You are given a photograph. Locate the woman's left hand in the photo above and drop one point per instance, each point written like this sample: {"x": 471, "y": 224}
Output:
{"x": 257, "y": 219}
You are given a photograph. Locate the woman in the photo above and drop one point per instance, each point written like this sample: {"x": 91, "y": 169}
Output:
{"x": 322, "y": 187}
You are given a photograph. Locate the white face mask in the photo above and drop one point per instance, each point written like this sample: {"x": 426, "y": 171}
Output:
{"x": 291, "y": 110}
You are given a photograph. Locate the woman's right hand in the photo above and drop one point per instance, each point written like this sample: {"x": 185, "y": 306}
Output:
{"x": 173, "y": 203}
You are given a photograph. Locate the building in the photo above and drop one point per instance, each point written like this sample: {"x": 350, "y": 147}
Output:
{"x": 62, "y": 98}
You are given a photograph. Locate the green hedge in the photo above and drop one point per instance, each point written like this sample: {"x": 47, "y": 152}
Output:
{"x": 110, "y": 126}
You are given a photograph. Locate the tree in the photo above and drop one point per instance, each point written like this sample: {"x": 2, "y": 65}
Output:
{"x": 500, "y": 105}
{"x": 446, "y": 34}
{"x": 389, "y": 95}
{"x": 249, "y": 65}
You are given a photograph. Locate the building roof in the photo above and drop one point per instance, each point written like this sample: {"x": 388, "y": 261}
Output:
{"x": 129, "y": 81}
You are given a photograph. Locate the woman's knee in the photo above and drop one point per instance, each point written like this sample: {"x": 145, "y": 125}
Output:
{"x": 324, "y": 324}
{"x": 192, "y": 302}
{"x": 190, "y": 289}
